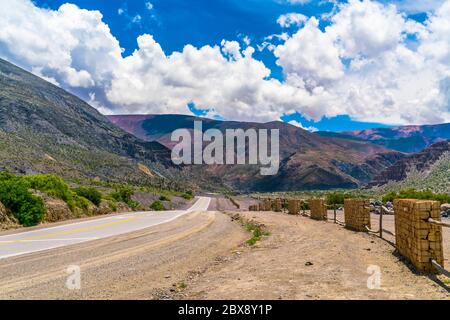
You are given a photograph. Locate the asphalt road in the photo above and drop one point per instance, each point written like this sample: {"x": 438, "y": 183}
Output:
{"x": 54, "y": 237}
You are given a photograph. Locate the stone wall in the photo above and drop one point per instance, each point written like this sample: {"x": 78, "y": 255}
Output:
{"x": 416, "y": 239}
{"x": 357, "y": 214}
{"x": 318, "y": 209}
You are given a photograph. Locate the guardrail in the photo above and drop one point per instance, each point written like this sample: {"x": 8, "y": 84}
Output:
{"x": 438, "y": 223}
{"x": 382, "y": 210}
{"x": 440, "y": 268}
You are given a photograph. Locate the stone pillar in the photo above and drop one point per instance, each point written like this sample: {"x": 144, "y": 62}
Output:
{"x": 357, "y": 214}
{"x": 267, "y": 205}
{"x": 277, "y": 206}
{"x": 318, "y": 209}
{"x": 416, "y": 239}
{"x": 294, "y": 206}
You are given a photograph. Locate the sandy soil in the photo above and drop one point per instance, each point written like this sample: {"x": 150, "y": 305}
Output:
{"x": 306, "y": 259}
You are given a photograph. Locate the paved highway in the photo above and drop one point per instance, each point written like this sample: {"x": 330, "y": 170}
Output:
{"x": 54, "y": 237}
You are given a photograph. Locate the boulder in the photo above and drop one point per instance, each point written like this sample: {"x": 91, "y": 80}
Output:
{"x": 7, "y": 220}
{"x": 102, "y": 209}
{"x": 123, "y": 207}
{"x": 56, "y": 210}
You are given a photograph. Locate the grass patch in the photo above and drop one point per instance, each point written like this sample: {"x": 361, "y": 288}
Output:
{"x": 188, "y": 195}
{"x": 164, "y": 198}
{"x": 157, "y": 206}
{"x": 124, "y": 194}
{"x": 257, "y": 233}
{"x": 93, "y": 195}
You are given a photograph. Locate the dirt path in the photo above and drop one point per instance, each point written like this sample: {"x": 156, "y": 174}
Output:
{"x": 306, "y": 259}
{"x": 140, "y": 265}
{"x": 221, "y": 204}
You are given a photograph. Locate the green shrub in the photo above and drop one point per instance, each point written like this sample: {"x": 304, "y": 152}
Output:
{"x": 80, "y": 202}
{"x": 133, "y": 204}
{"x": 389, "y": 197}
{"x": 112, "y": 205}
{"x": 26, "y": 207}
{"x": 52, "y": 185}
{"x": 187, "y": 195}
{"x": 123, "y": 194}
{"x": 92, "y": 194}
{"x": 257, "y": 233}
{"x": 337, "y": 198}
{"x": 157, "y": 206}
{"x": 164, "y": 198}
{"x": 414, "y": 194}
{"x": 303, "y": 205}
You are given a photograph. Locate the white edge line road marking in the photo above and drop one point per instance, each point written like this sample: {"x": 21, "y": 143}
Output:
{"x": 44, "y": 240}
{"x": 181, "y": 213}
{"x": 121, "y": 216}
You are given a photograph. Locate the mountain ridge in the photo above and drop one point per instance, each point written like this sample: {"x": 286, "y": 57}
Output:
{"x": 308, "y": 161}
{"x": 43, "y": 128}
{"x": 409, "y": 139}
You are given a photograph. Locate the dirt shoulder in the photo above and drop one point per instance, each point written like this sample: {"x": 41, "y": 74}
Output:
{"x": 306, "y": 259}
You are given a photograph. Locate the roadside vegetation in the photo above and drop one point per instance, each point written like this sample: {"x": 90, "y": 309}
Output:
{"x": 414, "y": 194}
{"x": 257, "y": 233}
{"x": 157, "y": 206}
{"x": 27, "y": 208}
{"x": 90, "y": 194}
{"x": 337, "y": 197}
{"x": 124, "y": 194}
{"x": 26, "y": 197}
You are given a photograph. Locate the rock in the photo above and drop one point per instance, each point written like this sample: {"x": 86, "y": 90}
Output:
{"x": 309, "y": 263}
{"x": 102, "y": 209}
{"x": 7, "y": 220}
{"x": 445, "y": 207}
{"x": 123, "y": 207}
{"x": 56, "y": 210}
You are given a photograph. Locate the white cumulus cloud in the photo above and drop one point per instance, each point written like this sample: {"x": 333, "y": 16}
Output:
{"x": 370, "y": 62}
{"x": 291, "y": 19}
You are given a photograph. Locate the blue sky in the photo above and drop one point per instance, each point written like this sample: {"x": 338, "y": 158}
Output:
{"x": 176, "y": 23}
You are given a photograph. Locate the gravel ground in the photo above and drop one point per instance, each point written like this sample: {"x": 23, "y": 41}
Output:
{"x": 307, "y": 259}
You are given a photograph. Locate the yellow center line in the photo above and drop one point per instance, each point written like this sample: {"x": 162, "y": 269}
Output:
{"x": 64, "y": 233}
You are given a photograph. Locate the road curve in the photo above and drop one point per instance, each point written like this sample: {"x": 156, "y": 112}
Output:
{"x": 54, "y": 237}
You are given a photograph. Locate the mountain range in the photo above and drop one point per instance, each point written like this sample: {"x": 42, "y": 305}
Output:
{"x": 428, "y": 169}
{"x": 408, "y": 139}
{"x": 44, "y": 129}
{"x": 308, "y": 161}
